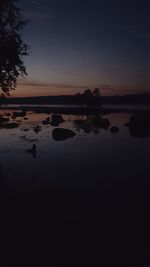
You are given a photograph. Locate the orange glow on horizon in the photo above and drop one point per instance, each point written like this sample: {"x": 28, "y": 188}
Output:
{"x": 36, "y": 89}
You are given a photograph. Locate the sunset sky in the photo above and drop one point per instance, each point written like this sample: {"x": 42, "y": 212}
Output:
{"x": 79, "y": 44}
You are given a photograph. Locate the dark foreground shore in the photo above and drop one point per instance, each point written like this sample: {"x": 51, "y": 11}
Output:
{"x": 55, "y": 228}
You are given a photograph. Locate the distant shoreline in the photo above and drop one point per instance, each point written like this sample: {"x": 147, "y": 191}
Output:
{"x": 79, "y": 100}
{"x": 78, "y": 110}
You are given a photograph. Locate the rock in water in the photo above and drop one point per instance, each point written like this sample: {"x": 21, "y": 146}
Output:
{"x": 60, "y": 134}
{"x": 46, "y": 121}
{"x": 19, "y": 114}
{"x": 10, "y": 125}
{"x": 37, "y": 129}
{"x": 139, "y": 124}
{"x": 114, "y": 129}
{"x": 3, "y": 119}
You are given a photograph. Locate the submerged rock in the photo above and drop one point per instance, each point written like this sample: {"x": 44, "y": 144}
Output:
{"x": 139, "y": 125}
{"x": 28, "y": 139}
{"x": 37, "y": 129}
{"x": 114, "y": 129}
{"x": 60, "y": 134}
{"x": 56, "y": 119}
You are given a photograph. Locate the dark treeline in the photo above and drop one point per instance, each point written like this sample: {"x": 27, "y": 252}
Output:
{"x": 79, "y": 100}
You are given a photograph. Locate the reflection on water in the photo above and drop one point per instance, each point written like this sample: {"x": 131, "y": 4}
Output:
{"x": 32, "y": 151}
{"x": 71, "y": 170}
{"x": 95, "y": 141}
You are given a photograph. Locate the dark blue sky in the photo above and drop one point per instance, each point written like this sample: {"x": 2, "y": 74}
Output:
{"x": 77, "y": 44}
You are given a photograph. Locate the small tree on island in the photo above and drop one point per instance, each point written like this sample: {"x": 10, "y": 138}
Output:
{"x": 88, "y": 93}
{"x": 96, "y": 92}
{"x": 12, "y": 47}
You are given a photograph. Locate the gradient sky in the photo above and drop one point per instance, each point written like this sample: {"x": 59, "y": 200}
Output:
{"x": 87, "y": 43}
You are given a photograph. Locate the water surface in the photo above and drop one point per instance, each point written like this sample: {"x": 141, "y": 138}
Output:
{"x": 92, "y": 184}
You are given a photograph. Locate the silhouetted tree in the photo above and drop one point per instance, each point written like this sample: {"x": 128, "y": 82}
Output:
{"x": 96, "y": 92}
{"x": 88, "y": 93}
{"x": 12, "y": 47}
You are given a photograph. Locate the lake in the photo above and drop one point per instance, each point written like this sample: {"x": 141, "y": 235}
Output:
{"x": 75, "y": 189}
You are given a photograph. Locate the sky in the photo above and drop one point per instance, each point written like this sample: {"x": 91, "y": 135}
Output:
{"x": 86, "y": 44}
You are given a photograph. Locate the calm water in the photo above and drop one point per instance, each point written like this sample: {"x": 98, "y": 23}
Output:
{"x": 79, "y": 196}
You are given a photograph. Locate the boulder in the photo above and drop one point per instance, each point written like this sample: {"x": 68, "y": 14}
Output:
{"x": 19, "y": 114}
{"x": 60, "y": 134}
{"x": 114, "y": 129}
{"x": 46, "y": 121}
{"x": 139, "y": 125}
{"x": 3, "y": 120}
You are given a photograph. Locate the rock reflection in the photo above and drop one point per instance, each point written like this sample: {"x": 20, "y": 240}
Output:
{"x": 25, "y": 130}
{"x": 84, "y": 125}
{"x": 92, "y": 124}
{"x": 30, "y": 140}
{"x": 32, "y": 151}
{"x": 56, "y": 120}
{"x": 99, "y": 122}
